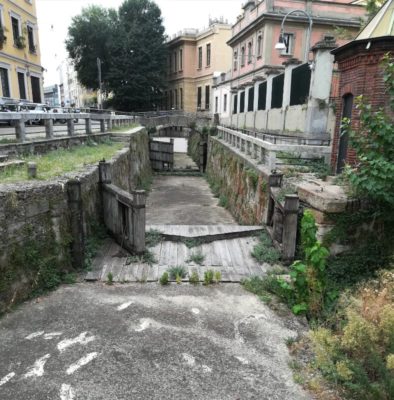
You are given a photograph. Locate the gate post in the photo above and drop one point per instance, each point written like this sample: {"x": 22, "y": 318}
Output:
{"x": 139, "y": 201}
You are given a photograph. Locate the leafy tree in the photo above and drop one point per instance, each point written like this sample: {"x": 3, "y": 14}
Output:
{"x": 90, "y": 35}
{"x": 131, "y": 44}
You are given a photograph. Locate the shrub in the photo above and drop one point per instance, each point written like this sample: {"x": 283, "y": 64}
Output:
{"x": 208, "y": 277}
{"x": 218, "y": 276}
{"x": 177, "y": 271}
{"x": 264, "y": 250}
{"x": 194, "y": 278}
{"x": 164, "y": 279}
{"x": 197, "y": 258}
{"x": 359, "y": 354}
{"x": 110, "y": 278}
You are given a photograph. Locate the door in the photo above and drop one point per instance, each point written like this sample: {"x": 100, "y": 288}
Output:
{"x": 36, "y": 89}
{"x": 22, "y": 87}
{"x": 347, "y": 101}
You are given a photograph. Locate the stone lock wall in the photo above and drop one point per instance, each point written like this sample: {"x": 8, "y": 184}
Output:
{"x": 241, "y": 184}
{"x": 43, "y": 229}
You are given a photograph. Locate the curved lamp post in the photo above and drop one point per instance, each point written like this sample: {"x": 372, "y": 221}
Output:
{"x": 282, "y": 44}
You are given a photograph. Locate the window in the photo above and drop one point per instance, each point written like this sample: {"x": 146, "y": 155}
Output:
{"x": 171, "y": 100}
{"x": 207, "y": 99}
{"x": 216, "y": 104}
{"x": 180, "y": 60}
{"x": 30, "y": 36}
{"x": 5, "y": 84}
{"x": 235, "y": 106}
{"x": 225, "y": 103}
{"x": 250, "y": 52}
{"x": 235, "y": 60}
{"x": 199, "y": 95}
{"x": 36, "y": 89}
{"x": 242, "y": 102}
{"x": 242, "y": 56}
{"x": 169, "y": 63}
{"x": 176, "y": 98}
{"x": 262, "y": 96}
{"x": 289, "y": 43}
{"x": 251, "y": 99}
{"x": 175, "y": 62}
{"x": 22, "y": 86}
{"x": 181, "y": 96}
{"x": 277, "y": 91}
{"x": 208, "y": 55}
{"x": 199, "y": 57}
{"x": 15, "y": 30}
{"x": 259, "y": 45}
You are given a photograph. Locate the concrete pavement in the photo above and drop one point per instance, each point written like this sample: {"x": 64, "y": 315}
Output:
{"x": 91, "y": 341}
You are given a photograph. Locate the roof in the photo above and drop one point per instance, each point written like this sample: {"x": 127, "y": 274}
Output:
{"x": 382, "y": 24}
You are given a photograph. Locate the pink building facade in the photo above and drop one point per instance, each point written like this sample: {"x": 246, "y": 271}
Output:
{"x": 255, "y": 59}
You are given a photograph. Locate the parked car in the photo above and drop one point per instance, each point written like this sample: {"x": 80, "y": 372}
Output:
{"x": 59, "y": 110}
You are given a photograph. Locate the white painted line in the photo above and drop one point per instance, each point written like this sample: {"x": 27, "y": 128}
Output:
{"x": 7, "y": 378}
{"x": 34, "y": 335}
{"x": 206, "y": 369}
{"x": 242, "y": 360}
{"x": 190, "y": 360}
{"x": 38, "y": 368}
{"x": 124, "y": 306}
{"x": 145, "y": 323}
{"x": 52, "y": 335}
{"x": 81, "y": 339}
{"x": 67, "y": 392}
{"x": 81, "y": 362}
{"x": 195, "y": 311}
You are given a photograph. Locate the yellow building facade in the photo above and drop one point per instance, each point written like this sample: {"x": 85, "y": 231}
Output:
{"x": 20, "y": 61}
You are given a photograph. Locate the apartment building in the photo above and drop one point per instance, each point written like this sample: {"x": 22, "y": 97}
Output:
{"x": 20, "y": 62}
{"x": 258, "y": 30}
{"x": 193, "y": 58}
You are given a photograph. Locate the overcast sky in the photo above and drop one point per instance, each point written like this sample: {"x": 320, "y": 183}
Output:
{"x": 54, "y": 17}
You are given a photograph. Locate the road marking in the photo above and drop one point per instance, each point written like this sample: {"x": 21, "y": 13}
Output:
{"x": 145, "y": 323}
{"x": 124, "y": 306}
{"x": 190, "y": 360}
{"x": 195, "y": 311}
{"x": 52, "y": 335}
{"x": 206, "y": 369}
{"x": 34, "y": 335}
{"x": 81, "y": 339}
{"x": 81, "y": 362}
{"x": 7, "y": 378}
{"x": 242, "y": 360}
{"x": 38, "y": 368}
{"x": 67, "y": 392}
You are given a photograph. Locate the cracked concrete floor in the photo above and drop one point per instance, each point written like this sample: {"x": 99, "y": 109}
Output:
{"x": 91, "y": 341}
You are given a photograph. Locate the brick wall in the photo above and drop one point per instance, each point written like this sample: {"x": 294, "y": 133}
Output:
{"x": 361, "y": 73}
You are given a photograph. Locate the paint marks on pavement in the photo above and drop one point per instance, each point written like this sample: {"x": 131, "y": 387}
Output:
{"x": 82, "y": 339}
{"x": 206, "y": 369}
{"x": 7, "y": 378}
{"x": 52, "y": 335}
{"x": 144, "y": 324}
{"x": 67, "y": 392}
{"x": 242, "y": 360}
{"x": 124, "y": 306}
{"x": 38, "y": 368}
{"x": 34, "y": 335}
{"x": 189, "y": 360}
{"x": 81, "y": 362}
{"x": 195, "y": 311}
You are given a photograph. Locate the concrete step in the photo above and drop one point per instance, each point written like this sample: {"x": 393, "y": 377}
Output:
{"x": 204, "y": 233}
{"x": 9, "y": 164}
{"x": 3, "y": 158}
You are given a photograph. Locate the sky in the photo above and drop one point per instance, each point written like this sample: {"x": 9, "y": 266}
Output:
{"x": 54, "y": 17}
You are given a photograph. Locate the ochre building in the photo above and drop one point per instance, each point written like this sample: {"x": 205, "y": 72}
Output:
{"x": 20, "y": 61}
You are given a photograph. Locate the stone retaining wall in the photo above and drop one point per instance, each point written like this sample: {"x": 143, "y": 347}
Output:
{"x": 43, "y": 231}
{"x": 241, "y": 184}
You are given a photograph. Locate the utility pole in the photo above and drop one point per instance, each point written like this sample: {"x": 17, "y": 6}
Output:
{"x": 100, "y": 105}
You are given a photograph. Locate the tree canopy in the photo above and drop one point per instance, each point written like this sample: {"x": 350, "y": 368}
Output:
{"x": 131, "y": 44}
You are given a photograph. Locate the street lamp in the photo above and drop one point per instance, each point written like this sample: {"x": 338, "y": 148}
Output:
{"x": 283, "y": 44}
